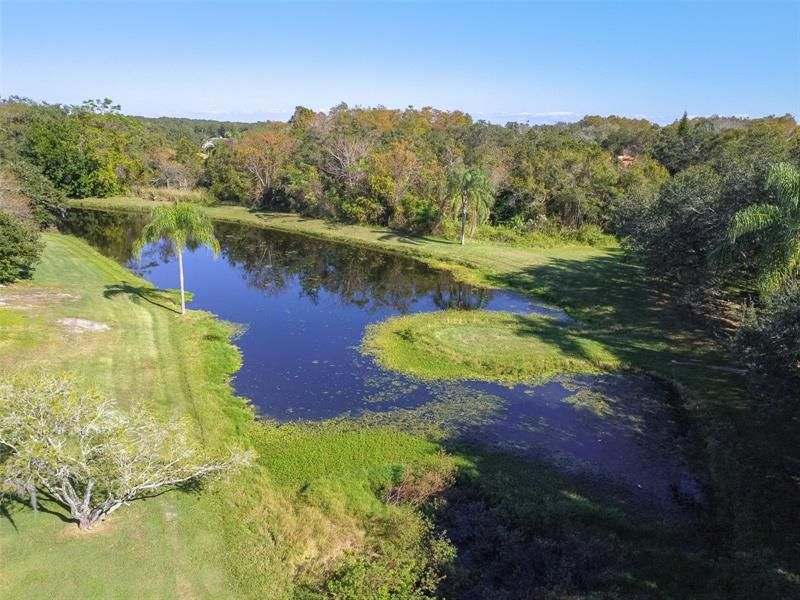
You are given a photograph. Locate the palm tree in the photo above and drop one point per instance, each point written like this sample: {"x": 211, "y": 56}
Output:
{"x": 470, "y": 192}
{"x": 178, "y": 224}
{"x": 779, "y": 227}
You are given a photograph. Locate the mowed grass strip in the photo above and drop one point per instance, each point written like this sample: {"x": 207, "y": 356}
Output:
{"x": 489, "y": 346}
{"x": 161, "y": 548}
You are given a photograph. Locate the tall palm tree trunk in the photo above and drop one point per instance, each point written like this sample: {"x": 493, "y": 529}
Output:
{"x": 180, "y": 271}
{"x": 463, "y": 218}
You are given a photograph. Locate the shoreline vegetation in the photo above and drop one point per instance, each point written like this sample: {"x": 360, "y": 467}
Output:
{"x": 471, "y": 264}
{"x": 325, "y": 511}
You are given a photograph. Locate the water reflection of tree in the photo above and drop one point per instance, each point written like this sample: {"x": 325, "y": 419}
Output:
{"x": 271, "y": 260}
{"x": 462, "y": 297}
{"x": 112, "y": 233}
{"x": 155, "y": 254}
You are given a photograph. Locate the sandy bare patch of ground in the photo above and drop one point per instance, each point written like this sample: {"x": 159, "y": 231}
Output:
{"x": 72, "y": 531}
{"x": 33, "y": 299}
{"x": 79, "y": 325}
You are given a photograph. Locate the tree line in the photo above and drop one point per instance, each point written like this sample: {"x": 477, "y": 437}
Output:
{"x": 395, "y": 167}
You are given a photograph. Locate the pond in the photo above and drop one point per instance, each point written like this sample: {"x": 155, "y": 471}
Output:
{"x": 305, "y": 304}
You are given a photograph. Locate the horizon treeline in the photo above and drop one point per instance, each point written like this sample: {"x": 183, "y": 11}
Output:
{"x": 668, "y": 192}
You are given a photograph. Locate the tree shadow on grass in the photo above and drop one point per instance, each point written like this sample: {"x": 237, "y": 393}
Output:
{"x": 56, "y": 512}
{"x": 632, "y": 316}
{"x": 400, "y": 237}
{"x": 525, "y": 529}
{"x": 50, "y": 506}
{"x": 565, "y": 336}
{"x": 266, "y": 214}
{"x": 5, "y": 512}
{"x": 600, "y": 288}
{"x": 162, "y": 298}
{"x": 405, "y": 237}
{"x": 637, "y": 318}
{"x": 11, "y": 505}
{"x": 637, "y": 321}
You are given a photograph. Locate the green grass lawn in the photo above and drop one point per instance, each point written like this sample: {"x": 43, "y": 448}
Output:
{"x": 140, "y": 359}
{"x": 489, "y": 346}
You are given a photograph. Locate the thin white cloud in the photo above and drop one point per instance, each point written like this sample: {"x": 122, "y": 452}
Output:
{"x": 549, "y": 114}
{"x": 534, "y": 118}
{"x": 554, "y": 114}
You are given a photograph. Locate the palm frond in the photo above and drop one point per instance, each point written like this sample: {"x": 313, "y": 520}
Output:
{"x": 455, "y": 187}
{"x": 779, "y": 265}
{"x": 471, "y": 190}
{"x": 784, "y": 180}
{"x": 179, "y": 223}
{"x": 752, "y": 219}
{"x": 198, "y": 228}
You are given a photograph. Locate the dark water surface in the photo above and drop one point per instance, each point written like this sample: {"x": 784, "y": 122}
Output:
{"x": 306, "y": 303}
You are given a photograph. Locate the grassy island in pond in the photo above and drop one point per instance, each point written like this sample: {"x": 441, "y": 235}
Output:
{"x": 490, "y": 346}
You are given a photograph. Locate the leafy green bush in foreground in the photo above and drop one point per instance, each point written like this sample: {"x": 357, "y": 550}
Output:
{"x": 20, "y": 248}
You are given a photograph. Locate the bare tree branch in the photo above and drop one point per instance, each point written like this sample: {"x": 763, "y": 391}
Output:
{"x": 73, "y": 447}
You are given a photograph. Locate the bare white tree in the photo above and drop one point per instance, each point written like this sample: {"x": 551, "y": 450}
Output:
{"x": 345, "y": 155}
{"x": 70, "y": 446}
{"x": 170, "y": 174}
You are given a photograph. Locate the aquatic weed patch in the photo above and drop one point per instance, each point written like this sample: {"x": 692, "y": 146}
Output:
{"x": 486, "y": 346}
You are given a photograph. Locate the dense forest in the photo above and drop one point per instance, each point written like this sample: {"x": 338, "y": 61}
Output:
{"x": 708, "y": 204}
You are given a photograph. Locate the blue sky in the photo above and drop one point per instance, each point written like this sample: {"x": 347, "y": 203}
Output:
{"x": 521, "y": 61}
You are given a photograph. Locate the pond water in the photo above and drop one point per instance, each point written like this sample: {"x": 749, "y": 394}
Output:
{"x": 305, "y": 304}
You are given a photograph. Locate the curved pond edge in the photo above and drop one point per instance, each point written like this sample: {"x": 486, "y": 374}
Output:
{"x": 462, "y": 269}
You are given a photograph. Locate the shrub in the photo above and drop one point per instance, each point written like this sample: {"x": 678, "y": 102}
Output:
{"x": 20, "y": 249}
{"x": 12, "y": 199}
{"x": 413, "y": 573}
{"x": 226, "y": 183}
{"x": 676, "y": 235}
{"x": 45, "y": 200}
{"x": 769, "y": 338}
{"x": 361, "y": 210}
{"x": 548, "y": 235}
{"x": 416, "y": 487}
{"x": 160, "y": 194}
